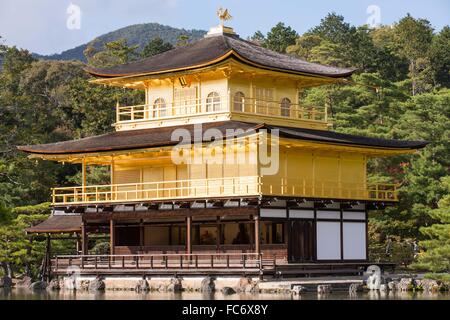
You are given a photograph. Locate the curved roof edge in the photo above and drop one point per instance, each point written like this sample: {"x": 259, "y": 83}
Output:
{"x": 214, "y": 49}
{"x": 160, "y": 137}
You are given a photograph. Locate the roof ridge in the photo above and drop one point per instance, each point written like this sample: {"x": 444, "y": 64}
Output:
{"x": 181, "y": 48}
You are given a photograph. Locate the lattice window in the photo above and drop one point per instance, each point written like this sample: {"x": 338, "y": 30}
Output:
{"x": 213, "y": 102}
{"x": 285, "y": 107}
{"x": 263, "y": 100}
{"x": 159, "y": 108}
{"x": 185, "y": 100}
{"x": 238, "y": 101}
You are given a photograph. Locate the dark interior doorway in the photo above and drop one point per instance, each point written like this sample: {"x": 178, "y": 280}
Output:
{"x": 301, "y": 241}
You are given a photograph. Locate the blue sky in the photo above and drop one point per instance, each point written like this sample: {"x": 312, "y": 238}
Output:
{"x": 41, "y": 25}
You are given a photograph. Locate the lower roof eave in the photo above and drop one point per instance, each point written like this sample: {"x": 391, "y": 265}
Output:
{"x": 156, "y": 201}
{"x": 57, "y": 224}
{"x": 259, "y": 200}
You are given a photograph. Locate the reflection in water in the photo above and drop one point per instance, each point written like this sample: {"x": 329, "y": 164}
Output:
{"x": 24, "y": 294}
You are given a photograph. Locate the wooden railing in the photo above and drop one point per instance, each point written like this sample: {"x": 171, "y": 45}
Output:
{"x": 249, "y": 106}
{"x": 224, "y": 187}
{"x": 161, "y": 261}
{"x": 279, "y": 109}
{"x": 177, "y": 189}
{"x": 174, "y": 109}
{"x": 328, "y": 189}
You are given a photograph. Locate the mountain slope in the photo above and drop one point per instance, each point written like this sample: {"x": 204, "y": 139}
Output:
{"x": 138, "y": 34}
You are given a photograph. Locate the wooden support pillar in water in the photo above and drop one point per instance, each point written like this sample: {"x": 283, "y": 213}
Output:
{"x": 48, "y": 258}
{"x": 45, "y": 266}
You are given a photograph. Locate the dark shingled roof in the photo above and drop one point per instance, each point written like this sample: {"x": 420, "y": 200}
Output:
{"x": 346, "y": 139}
{"x": 133, "y": 139}
{"x": 158, "y": 137}
{"x": 213, "y": 49}
{"x": 58, "y": 224}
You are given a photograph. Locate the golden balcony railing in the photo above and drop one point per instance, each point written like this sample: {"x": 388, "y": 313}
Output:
{"x": 330, "y": 189}
{"x": 222, "y": 188}
{"x": 166, "y": 110}
{"x": 282, "y": 109}
{"x": 218, "y": 104}
{"x": 162, "y": 190}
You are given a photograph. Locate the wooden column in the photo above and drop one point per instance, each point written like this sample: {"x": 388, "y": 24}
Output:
{"x": 83, "y": 178}
{"x": 46, "y": 267}
{"x": 219, "y": 234}
{"x": 188, "y": 235}
{"x": 83, "y": 172}
{"x": 112, "y": 235}
{"x": 141, "y": 233}
{"x": 257, "y": 234}
{"x": 78, "y": 244}
{"x": 84, "y": 239}
{"x": 113, "y": 195}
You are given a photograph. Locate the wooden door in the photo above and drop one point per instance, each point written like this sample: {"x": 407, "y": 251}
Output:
{"x": 301, "y": 241}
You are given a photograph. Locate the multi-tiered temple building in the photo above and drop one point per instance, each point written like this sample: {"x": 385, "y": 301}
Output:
{"x": 257, "y": 175}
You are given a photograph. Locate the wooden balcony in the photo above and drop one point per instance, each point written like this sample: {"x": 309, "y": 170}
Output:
{"x": 201, "y": 264}
{"x": 328, "y": 189}
{"x": 212, "y": 107}
{"x": 149, "y": 112}
{"x": 161, "y": 190}
{"x": 222, "y": 188}
{"x": 154, "y": 263}
{"x": 279, "y": 109}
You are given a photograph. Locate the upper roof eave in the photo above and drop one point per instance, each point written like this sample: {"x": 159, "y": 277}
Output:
{"x": 215, "y": 49}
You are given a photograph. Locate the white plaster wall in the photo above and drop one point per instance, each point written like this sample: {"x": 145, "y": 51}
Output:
{"x": 328, "y": 240}
{"x": 354, "y": 239}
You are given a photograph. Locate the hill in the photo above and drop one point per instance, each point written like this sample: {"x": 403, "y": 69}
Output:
{"x": 138, "y": 34}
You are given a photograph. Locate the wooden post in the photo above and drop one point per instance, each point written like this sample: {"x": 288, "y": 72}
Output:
{"x": 49, "y": 253}
{"x": 219, "y": 234}
{"x": 78, "y": 244}
{"x": 84, "y": 239}
{"x": 45, "y": 268}
{"x": 188, "y": 235}
{"x": 141, "y": 234}
{"x": 113, "y": 197}
{"x": 83, "y": 179}
{"x": 117, "y": 111}
{"x": 257, "y": 241}
{"x": 112, "y": 235}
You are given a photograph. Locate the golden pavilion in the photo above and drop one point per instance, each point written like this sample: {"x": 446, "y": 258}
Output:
{"x": 223, "y": 168}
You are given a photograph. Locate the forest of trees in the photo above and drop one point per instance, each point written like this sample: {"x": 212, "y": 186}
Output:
{"x": 401, "y": 90}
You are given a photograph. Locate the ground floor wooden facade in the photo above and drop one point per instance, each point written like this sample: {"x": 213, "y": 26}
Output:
{"x": 306, "y": 232}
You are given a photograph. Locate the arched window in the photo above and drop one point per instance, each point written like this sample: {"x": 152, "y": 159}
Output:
{"x": 213, "y": 102}
{"x": 285, "y": 107}
{"x": 159, "y": 108}
{"x": 238, "y": 101}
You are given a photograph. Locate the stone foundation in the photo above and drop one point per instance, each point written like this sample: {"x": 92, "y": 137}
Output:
{"x": 157, "y": 283}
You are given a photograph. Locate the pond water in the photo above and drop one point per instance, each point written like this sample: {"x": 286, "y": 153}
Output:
{"x": 24, "y": 294}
